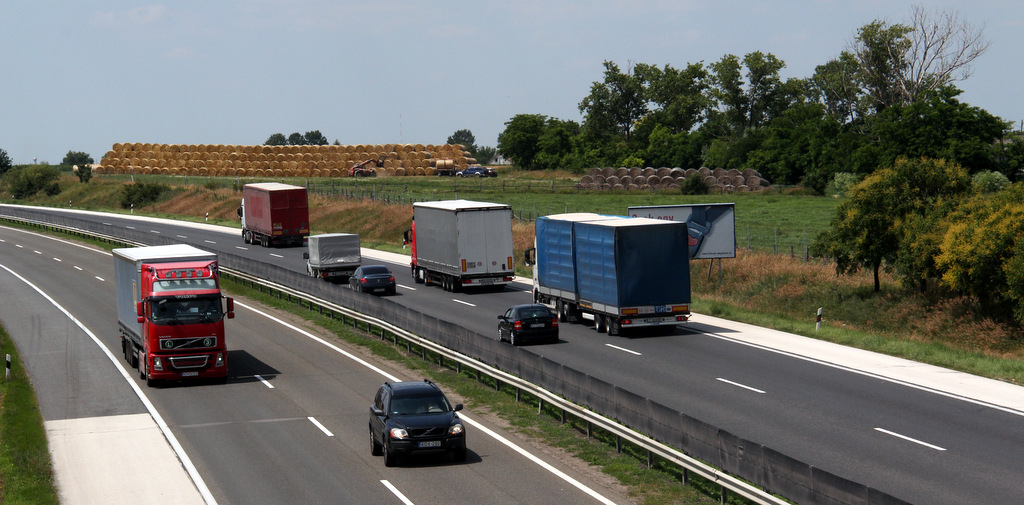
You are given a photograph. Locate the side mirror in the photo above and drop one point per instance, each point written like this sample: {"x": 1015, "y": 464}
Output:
{"x": 375, "y": 411}
{"x": 405, "y": 236}
{"x": 305, "y": 255}
{"x": 239, "y": 212}
{"x": 231, "y": 308}
{"x": 140, "y": 311}
{"x": 458, "y": 407}
{"x": 530, "y": 256}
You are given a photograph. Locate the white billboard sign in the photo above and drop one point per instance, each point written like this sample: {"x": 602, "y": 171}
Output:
{"x": 712, "y": 226}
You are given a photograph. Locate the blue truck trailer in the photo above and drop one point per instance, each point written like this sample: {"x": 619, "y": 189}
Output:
{"x": 624, "y": 272}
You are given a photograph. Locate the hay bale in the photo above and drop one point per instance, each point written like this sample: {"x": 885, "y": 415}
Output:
{"x": 649, "y": 172}
{"x": 612, "y": 179}
{"x": 663, "y": 172}
{"x": 718, "y": 172}
{"x": 653, "y": 180}
{"x": 621, "y": 172}
{"x": 587, "y": 179}
{"x": 607, "y": 172}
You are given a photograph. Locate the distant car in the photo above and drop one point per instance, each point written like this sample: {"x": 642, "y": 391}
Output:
{"x": 477, "y": 171}
{"x": 528, "y": 322}
{"x": 375, "y": 279}
{"x": 415, "y": 418}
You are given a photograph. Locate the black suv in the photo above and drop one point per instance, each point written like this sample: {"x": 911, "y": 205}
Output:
{"x": 415, "y": 418}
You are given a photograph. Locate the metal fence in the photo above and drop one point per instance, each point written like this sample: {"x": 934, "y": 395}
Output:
{"x": 745, "y": 467}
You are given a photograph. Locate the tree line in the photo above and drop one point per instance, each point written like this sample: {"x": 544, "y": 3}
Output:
{"x": 890, "y": 94}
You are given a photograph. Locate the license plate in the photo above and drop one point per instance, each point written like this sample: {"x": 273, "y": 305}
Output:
{"x": 189, "y": 374}
{"x": 487, "y": 281}
{"x": 378, "y": 290}
{"x": 537, "y": 325}
{"x": 432, "y": 443}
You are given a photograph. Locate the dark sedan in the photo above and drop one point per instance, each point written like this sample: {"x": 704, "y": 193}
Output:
{"x": 521, "y": 323}
{"x": 375, "y": 279}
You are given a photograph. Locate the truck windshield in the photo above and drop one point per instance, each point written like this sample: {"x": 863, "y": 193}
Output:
{"x": 180, "y": 310}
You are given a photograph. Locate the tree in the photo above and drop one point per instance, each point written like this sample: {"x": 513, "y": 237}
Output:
{"x": 837, "y": 86}
{"x": 614, "y": 105}
{"x": 464, "y": 138}
{"x": 680, "y": 96}
{"x": 5, "y": 162}
{"x": 26, "y": 181}
{"x": 81, "y": 160}
{"x": 519, "y": 141}
{"x": 900, "y": 63}
{"x": 296, "y": 139}
{"x": 868, "y": 229}
{"x": 277, "y": 139}
{"x": 314, "y": 138}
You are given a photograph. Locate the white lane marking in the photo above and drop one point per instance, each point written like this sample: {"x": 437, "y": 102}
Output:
{"x": 107, "y": 224}
{"x": 462, "y": 414}
{"x": 78, "y": 268}
{"x": 410, "y": 288}
{"x": 623, "y": 349}
{"x": 153, "y": 231}
{"x": 396, "y": 492}
{"x": 462, "y": 302}
{"x": 264, "y": 381}
{"x": 242, "y": 248}
{"x": 181, "y": 236}
{"x": 543, "y": 464}
{"x": 914, "y": 440}
{"x": 37, "y": 252}
{"x": 19, "y": 246}
{"x": 276, "y": 255}
{"x": 318, "y": 425}
{"x": 866, "y": 373}
{"x": 57, "y": 259}
{"x": 209, "y": 242}
{"x": 100, "y": 278}
{"x": 737, "y": 384}
{"x": 130, "y": 227}
{"x": 164, "y": 428}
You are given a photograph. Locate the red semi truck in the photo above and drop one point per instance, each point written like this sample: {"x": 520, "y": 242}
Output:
{"x": 169, "y": 312}
{"x": 274, "y": 214}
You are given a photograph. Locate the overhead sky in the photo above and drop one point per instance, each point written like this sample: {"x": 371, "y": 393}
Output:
{"x": 81, "y": 76}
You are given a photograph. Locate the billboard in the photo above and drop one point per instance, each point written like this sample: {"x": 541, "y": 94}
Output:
{"x": 712, "y": 226}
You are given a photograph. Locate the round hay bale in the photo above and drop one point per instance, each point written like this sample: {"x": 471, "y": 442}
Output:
{"x": 599, "y": 179}
{"x": 743, "y": 188}
{"x": 705, "y": 171}
{"x": 587, "y": 179}
{"x": 732, "y": 172}
{"x": 649, "y": 172}
{"x": 653, "y": 180}
{"x": 400, "y": 172}
{"x": 729, "y": 188}
{"x": 663, "y": 172}
{"x": 607, "y": 171}
{"x": 621, "y": 172}
{"x": 711, "y": 180}
{"x": 632, "y": 187}
{"x": 718, "y": 172}
{"x": 677, "y": 173}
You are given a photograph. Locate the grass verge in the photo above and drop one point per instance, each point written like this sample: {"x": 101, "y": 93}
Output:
{"x": 26, "y": 473}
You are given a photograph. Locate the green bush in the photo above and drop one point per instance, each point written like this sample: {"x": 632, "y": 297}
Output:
{"x": 840, "y": 184}
{"x": 988, "y": 181}
{"x": 141, "y": 194}
{"x": 695, "y": 185}
{"x": 26, "y": 181}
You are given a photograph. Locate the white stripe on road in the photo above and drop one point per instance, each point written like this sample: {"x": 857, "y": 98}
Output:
{"x": 99, "y": 278}
{"x": 914, "y": 440}
{"x": 623, "y": 349}
{"x": 396, "y": 492}
{"x": 264, "y": 381}
{"x": 318, "y": 425}
{"x": 242, "y": 248}
{"x": 78, "y": 268}
{"x": 462, "y": 302}
{"x": 57, "y": 259}
{"x": 410, "y": 288}
{"x": 209, "y": 242}
{"x": 737, "y": 384}
{"x": 276, "y": 255}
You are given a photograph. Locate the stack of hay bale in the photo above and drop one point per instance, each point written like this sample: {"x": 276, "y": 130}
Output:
{"x": 278, "y": 161}
{"x": 636, "y": 178}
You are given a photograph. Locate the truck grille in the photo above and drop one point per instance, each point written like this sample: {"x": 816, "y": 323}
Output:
{"x": 188, "y": 362}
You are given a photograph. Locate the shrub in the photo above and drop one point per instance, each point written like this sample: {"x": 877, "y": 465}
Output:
{"x": 141, "y": 194}
{"x": 840, "y": 184}
{"x": 24, "y": 182}
{"x": 988, "y": 181}
{"x": 695, "y": 185}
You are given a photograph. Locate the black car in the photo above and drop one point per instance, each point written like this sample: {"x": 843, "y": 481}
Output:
{"x": 528, "y": 322}
{"x": 415, "y": 418}
{"x": 373, "y": 279}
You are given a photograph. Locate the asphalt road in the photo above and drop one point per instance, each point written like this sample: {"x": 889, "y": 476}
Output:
{"x": 288, "y": 427}
{"x": 914, "y": 443}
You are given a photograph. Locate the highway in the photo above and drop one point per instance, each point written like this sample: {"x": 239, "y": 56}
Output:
{"x": 290, "y": 425}
{"x": 915, "y": 443}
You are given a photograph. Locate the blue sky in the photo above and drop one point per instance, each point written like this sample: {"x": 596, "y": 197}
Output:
{"x": 84, "y": 75}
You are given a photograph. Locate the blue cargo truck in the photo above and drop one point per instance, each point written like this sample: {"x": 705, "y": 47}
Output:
{"x": 624, "y": 272}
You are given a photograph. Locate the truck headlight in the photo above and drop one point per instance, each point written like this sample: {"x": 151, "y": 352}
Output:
{"x": 220, "y": 359}
{"x": 158, "y": 364}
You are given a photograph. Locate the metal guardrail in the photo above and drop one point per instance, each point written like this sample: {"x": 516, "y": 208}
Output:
{"x": 728, "y": 483}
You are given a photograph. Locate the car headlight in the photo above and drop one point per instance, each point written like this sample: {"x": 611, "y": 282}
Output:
{"x": 399, "y": 433}
{"x": 455, "y": 429}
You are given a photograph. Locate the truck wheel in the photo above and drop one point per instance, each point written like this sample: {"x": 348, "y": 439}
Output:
{"x": 600, "y": 324}
{"x": 133, "y": 356}
{"x": 614, "y": 327}
{"x": 560, "y": 310}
